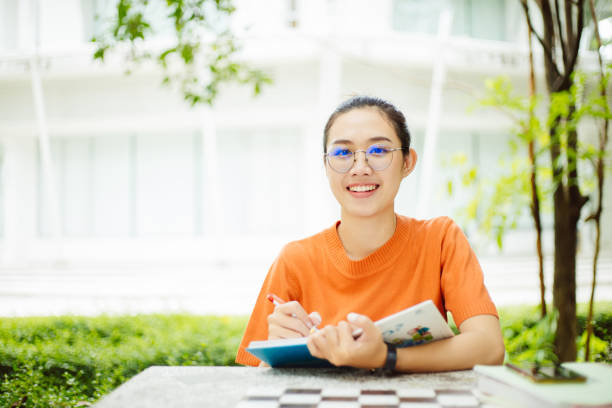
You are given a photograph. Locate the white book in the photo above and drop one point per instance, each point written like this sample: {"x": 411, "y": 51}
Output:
{"x": 501, "y": 385}
{"x": 418, "y": 324}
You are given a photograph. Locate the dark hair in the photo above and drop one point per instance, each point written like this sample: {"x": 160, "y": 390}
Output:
{"x": 391, "y": 113}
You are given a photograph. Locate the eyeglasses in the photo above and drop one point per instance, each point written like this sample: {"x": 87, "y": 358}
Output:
{"x": 378, "y": 157}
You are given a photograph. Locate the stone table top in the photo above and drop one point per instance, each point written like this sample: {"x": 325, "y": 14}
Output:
{"x": 201, "y": 386}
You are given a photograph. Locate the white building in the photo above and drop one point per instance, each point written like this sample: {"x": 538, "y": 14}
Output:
{"x": 143, "y": 182}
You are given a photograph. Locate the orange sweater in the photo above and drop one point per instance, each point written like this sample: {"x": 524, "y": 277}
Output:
{"x": 429, "y": 259}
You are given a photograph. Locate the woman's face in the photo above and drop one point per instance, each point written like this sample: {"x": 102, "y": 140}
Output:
{"x": 361, "y": 191}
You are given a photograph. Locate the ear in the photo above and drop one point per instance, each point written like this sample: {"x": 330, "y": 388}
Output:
{"x": 410, "y": 161}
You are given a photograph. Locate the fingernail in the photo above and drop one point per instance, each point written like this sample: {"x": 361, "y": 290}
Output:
{"x": 352, "y": 317}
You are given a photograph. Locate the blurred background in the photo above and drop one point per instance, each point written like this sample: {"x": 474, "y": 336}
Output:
{"x": 117, "y": 196}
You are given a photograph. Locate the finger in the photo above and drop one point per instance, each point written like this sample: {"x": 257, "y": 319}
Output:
{"x": 287, "y": 322}
{"x": 315, "y": 318}
{"x": 277, "y": 332}
{"x": 345, "y": 333}
{"x": 363, "y": 325}
{"x": 296, "y": 310}
{"x": 314, "y": 349}
{"x": 317, "y": 345}
{"x": 331, "y": 336}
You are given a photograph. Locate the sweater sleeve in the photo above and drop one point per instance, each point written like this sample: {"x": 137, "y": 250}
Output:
{"x": 279, "y": 282}
{"x": 462, "y": 283}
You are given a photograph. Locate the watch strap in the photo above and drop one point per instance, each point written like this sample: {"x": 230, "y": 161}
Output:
{"x": 391, "y": 361}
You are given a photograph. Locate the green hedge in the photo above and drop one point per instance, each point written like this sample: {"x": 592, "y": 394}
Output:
{"x": 64, "y": 361}
{"x": 73, "y": 361}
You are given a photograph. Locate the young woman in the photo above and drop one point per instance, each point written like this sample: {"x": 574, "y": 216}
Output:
{"x": 374, "y": 262}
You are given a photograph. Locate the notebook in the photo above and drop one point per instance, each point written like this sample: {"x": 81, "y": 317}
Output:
{"x": 418, "y": 324}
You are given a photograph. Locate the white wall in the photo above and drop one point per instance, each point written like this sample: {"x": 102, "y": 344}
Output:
{"x": 142, "y": 176}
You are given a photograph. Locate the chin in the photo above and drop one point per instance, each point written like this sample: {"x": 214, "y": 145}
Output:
{"x": 361, "y": 211}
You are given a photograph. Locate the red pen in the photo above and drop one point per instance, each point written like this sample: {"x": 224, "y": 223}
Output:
{"x": 275, "y": 299}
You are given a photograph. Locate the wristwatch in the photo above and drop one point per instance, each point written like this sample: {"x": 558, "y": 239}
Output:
{"x": 390, "y": 361}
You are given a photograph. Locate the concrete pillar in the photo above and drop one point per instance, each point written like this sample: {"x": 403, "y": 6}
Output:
{"x": 428, "y": 172}
{"x": 19, "y": 183}
{"x": 321, "y": 208}
{"x": 213, "y": 206}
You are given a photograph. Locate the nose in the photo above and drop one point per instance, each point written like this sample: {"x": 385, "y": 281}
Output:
{"x": 360, "y": 164}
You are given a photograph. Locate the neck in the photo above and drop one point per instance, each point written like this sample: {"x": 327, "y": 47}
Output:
{"x": 361, "y": 236}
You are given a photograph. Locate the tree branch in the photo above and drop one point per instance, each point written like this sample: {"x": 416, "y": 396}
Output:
{"x": 570, "y": 36}
{"x": 548, "y": 52}
{"x": 575, "y": 44}
{"x": 560, "y": 30}
{"x": 580, "y": 22}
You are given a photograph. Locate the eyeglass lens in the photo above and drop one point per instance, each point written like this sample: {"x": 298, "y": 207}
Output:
{"x": 342, "y": 159}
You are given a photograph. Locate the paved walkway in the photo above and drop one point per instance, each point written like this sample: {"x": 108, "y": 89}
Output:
{"x": 223, "y": 289}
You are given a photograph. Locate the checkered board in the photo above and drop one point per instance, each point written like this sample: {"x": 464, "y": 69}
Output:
{"x": 357, "y": 398}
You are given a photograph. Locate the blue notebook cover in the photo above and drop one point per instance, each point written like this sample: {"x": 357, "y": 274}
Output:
{"x": 285, "y": 353}
{"x": 415, "y": 325}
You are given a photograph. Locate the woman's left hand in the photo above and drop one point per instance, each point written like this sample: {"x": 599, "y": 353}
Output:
{"x": 337, "y": 344}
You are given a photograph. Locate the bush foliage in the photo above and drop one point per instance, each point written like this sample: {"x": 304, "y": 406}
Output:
{"x": 529, "y": 338}
{"x": 73, "y": 361}
{"x": 65, "y": 361}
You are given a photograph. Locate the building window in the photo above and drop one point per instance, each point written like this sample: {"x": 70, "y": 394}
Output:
{"x": 484, "y": 19}
{"x": 416, "y": 16}
{"x": 125, "y": 185}
{"x": 8, "y": 24}
{"x": 155, "y": 184}
{"x": 260, "y": 175}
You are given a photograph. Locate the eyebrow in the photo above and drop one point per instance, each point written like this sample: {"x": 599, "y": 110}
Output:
{"x": 372, "y": 139}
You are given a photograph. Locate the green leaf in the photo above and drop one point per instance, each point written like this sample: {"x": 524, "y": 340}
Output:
{"x": 164, "y": 55}
{"x": 187, "y": 53}
{"x": 100, "y": 52}
{"x": 194, "y": 23}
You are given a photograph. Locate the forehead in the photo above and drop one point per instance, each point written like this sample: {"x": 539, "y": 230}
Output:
{"x": 360, "y": 126}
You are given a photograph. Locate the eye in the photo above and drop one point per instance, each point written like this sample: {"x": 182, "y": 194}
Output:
{"x": 378, "y": 150}
{"x": 340, "y": 152}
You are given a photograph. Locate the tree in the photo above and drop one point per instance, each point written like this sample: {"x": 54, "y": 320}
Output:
{"x": 200, "y": 54}
{"x": 553, "y": 175}
{"x": 562, "y": 29}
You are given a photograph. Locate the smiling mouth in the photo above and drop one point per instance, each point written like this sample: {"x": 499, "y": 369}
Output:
{"x": 363, "y": 188}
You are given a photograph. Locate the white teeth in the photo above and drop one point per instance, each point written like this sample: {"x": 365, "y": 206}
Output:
{"x": 362, "y": 188}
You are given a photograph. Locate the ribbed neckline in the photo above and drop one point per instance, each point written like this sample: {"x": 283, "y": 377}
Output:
{"x": 373, "y": 262}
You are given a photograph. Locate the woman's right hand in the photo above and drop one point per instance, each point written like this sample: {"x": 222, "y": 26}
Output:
{"x": 290, "y": 320}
